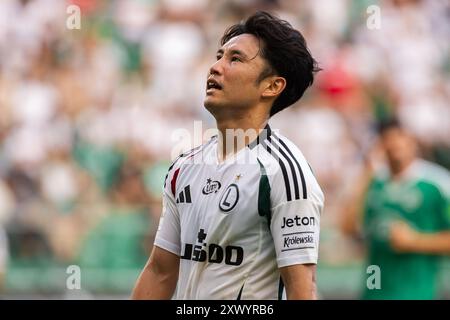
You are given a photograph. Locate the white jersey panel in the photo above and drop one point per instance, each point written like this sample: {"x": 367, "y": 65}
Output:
{"x": 234, "y": 224}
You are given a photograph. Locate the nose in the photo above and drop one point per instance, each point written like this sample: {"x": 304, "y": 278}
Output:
{"x": 216, "y": 68}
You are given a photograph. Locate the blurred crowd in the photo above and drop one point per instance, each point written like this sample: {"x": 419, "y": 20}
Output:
{"x": 87, "y": 116}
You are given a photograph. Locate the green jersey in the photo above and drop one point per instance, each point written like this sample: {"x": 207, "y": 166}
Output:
{"x": 421, "y": 199}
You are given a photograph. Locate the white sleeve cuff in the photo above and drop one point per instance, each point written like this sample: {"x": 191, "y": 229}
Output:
{"x": 303, "y": 259}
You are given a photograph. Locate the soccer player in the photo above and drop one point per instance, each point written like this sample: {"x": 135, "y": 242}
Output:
{"x": 406, "y": 219}
{"x": 242, "y": 222}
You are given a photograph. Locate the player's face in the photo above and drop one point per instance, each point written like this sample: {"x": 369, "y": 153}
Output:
{"x": 232, "y": 82}
{"x": 399, "y": 146}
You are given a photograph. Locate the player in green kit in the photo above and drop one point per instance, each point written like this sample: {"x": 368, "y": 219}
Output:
{"x": 406, "y": 219}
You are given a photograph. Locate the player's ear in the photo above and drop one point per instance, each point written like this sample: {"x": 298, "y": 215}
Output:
{"x": 273, "y": 86}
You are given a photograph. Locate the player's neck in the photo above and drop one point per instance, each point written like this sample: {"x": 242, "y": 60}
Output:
{"x": 237, "y": 133}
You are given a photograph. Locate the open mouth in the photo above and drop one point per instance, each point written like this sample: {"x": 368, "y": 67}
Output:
{"x": 213, "y": 85}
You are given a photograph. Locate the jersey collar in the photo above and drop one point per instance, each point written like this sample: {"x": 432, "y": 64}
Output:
{"x": 263, "y": 135}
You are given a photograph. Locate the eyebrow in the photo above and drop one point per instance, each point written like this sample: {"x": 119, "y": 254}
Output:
{"x": 234, "y": 51}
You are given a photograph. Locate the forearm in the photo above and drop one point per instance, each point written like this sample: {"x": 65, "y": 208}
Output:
{"x": 353, "y": 205}
{"x": 405, "y": 239}
{"x": 433, "y": 243}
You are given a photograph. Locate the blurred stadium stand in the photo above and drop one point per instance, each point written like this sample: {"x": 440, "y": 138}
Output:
{"x": 86, "y": 118}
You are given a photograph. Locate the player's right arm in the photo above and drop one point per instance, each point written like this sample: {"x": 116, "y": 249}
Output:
{"x": 159, "y": 278}
{"x": 353, "y": 204}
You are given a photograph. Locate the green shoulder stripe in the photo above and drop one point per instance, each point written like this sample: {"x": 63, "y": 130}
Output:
{"x": 264, "y": 194}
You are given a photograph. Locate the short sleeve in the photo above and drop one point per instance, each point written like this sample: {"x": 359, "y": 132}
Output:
{"x": 439, "y": 178}
{"x": 295, "y": 227}
{"x": 168, "y": 234}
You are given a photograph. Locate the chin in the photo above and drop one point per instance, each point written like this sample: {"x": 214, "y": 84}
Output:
{"x": 211, "y": 106}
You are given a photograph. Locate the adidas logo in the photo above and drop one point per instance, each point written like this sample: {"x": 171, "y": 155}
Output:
{"x": 185, "y": 195}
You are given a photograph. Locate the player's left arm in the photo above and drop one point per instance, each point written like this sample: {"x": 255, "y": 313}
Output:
{"x": 295, "y": 231}
{"x": 300, "y": 281}
{"x": 295, "y": 212}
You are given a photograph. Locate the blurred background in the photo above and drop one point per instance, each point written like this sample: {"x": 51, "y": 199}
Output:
{"x": 87, "y": 116}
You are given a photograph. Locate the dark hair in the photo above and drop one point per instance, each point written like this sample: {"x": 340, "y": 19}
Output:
{"x": 286, "y": 52}
{"x": 386, "y": 124}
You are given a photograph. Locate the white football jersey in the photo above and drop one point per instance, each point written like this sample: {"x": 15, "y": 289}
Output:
{"x": 234, "y": 223}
